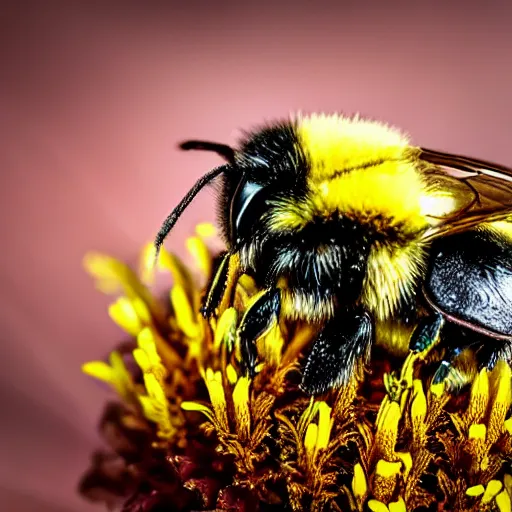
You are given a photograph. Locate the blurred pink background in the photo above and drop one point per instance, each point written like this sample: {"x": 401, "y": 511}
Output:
{"x": 94, "y": 97}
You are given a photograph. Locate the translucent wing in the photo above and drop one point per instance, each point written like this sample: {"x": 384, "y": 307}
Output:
{"x": 474, "y": 192}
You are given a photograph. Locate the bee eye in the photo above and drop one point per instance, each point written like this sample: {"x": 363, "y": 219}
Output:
{"x": 247, "y": 206}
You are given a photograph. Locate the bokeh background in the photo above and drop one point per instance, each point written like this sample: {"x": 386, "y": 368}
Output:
{"x": 94, "y": 97}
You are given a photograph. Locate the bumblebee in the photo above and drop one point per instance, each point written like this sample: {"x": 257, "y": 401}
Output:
{"x": 347, "y": 226}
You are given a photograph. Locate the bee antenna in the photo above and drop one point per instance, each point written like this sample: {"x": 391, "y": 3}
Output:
{"x": 173, "y": 217}
{"x": 223, "y": 150}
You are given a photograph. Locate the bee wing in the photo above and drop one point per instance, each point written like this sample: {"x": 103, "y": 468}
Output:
{"x": 474, "y": 191}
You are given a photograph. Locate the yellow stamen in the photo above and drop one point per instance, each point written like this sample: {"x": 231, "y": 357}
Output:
{"x": 385, "y": 479}
{"x": 324, "y": 426}
{"x": 406, "y": 459}
{"x": 377, "y": 506}
{"x": 206, "y": 230}
{"x": 310, "y": 439}
{"x": 226, "y": 327}
{"x": 231, "y": 374}
{"x": 124, "y": 314}
{"x": 213, "y": 381}
{"x": 146, "y": 263}
{"x": 273, "y": 344}
{"x": 201, "y": 254}
{"x": 397, "y": 506}
{"x": 156, "y": 407}
{"x": 99, "y": 370}
{"x": 307, "y": 416}
{"x": 407, "y": 372}
{"x": 477, "y": 431}
{"x": 418, "y": 412}
{"x": 501, "y": 378}
{"x": 476, "y": 490}
{"x": 112, "y": 276}
{"x": 507, "y": 481}
{"x": 359, "y": 483}
{"x": 116, "y": 374}
{"x": 185, "y": 316}
{"x": 120, "y": 370}
{"x": 387, "y": 430}
{"x": 383, "y": 407}
{"x": 142, "y": 310}
{"x": 492, "y": 489}
{"x": 147, "y": 357}
{"x": 387, "y": 469}
{"x": 197, "y": 407}
{"x": 437, "y": 389}
{"x": 479, "y": 398}
{"x": 241, "y": 403}
{"x": 478, "y": 447}
{"x": 503, "y": 502}
{"x": 149, "y": 340}
{"x": 180, "y": 274}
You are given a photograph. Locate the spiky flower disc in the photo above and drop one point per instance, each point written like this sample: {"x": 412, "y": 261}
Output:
{"x": 189, "y": 432}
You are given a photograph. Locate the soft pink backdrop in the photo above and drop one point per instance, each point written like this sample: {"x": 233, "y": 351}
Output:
{"x": 94, "y": 98}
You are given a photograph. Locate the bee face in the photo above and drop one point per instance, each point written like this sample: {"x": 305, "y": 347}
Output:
{"x": 324, "y": 256}
{"x": 270, "y": 165}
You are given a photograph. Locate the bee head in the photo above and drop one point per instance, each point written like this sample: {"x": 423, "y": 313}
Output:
{"x": 263, "y": 180}
{"x": 268, "y": 160}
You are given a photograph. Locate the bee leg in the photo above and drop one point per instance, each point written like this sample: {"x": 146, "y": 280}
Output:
{"x": 448, "y": 374}
{"x": 258, "y": 319}
{"x": 217, "y": 287}
{"x": 427, "y": 334}
{"x": 463, "y": 360}
{"x": 340, "y": 345}
{"x": 493, "y": 351}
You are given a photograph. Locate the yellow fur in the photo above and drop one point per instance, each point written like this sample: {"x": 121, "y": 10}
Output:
{"x": 391, "y": 189}
{"x": 390, "y": 275}
{"x": 296, "y": 305}
{"x": 289, "y": 215}
{"x": 335, "y": 142}
{"x": 362, "y": 168}
{"x": 366, "y": 170}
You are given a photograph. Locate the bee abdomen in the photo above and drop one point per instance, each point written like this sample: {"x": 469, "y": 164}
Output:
{"x": 470, "y": 281}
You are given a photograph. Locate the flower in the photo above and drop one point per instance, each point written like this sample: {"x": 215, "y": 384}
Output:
{"x": 189, "y": 431}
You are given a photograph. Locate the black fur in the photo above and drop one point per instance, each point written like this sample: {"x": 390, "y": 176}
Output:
{"x": 326, "y": 256}
{"x": 343, "y": 342}
{"x": 270, "y": 157}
